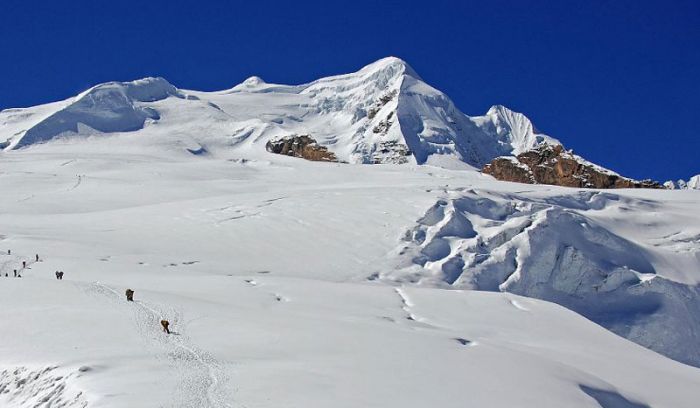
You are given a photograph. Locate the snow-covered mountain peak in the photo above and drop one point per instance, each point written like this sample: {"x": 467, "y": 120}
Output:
{"x": 516, "y": 129}
{"x": 377, "y": 76}
{"x": 251, "y": 83}
{"x": 382, "y": 113}
{"x": 692, "y": 184}
{"x": 393, "y": 65}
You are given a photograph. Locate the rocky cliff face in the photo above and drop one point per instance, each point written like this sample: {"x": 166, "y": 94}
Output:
{"x": 303, "y": 146}
{"x": 552, "y": 164}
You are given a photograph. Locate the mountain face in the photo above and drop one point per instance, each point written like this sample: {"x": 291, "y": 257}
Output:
{"x": 384, "y": 113}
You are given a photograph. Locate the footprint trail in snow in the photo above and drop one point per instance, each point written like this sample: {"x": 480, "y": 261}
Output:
{"x": 202, "y": 379}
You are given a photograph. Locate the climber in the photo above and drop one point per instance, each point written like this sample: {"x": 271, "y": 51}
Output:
{"x": 129, "y": 295}
{"x": 165, "y": 325}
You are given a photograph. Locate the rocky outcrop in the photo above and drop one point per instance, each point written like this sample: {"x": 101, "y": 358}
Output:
{"x": 303, "y": 146}
{"x": 391, "y": 152}
{"x": 552, "y": 164}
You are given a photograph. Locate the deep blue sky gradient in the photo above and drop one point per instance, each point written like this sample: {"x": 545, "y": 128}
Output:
{"x": 617, "y": 81}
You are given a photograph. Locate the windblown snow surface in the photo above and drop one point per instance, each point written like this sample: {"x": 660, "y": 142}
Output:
{"x": 301, "y": 284}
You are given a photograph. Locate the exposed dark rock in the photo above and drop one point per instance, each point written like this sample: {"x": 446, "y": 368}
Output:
{"x": 384, "y": 125}
{"x": 552, "y": 164}
{"x": 383, "y": 100}
{"x": 391, "y": 152}
{"x": 303, "y": 146}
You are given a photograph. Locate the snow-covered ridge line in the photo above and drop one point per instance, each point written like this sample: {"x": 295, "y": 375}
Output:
{"x": 383, "y": 113}
{"x": 106, "y": 108}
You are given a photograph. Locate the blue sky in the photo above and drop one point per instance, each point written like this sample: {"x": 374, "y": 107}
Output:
{"x": 617, "y": 81}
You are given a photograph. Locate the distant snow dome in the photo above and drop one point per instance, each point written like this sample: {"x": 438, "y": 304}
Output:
{"x": 253, "y": 81}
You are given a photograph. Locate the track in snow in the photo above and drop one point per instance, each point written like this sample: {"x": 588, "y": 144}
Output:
{"x": 407, "y": 307}
{"x": 77, "y": 184}
{"x": 417, "y": 321}
{"x": 202, "y": 377}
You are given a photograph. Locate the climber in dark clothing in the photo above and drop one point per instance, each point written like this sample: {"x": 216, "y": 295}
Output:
{"x": 37, "y": 257}
{"x": 129, "y": 295}
{"x": 15, "y": 273}
{"x": 165, "y": 325}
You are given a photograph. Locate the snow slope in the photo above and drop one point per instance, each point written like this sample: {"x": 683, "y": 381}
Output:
{"x": 261, "y": 267}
